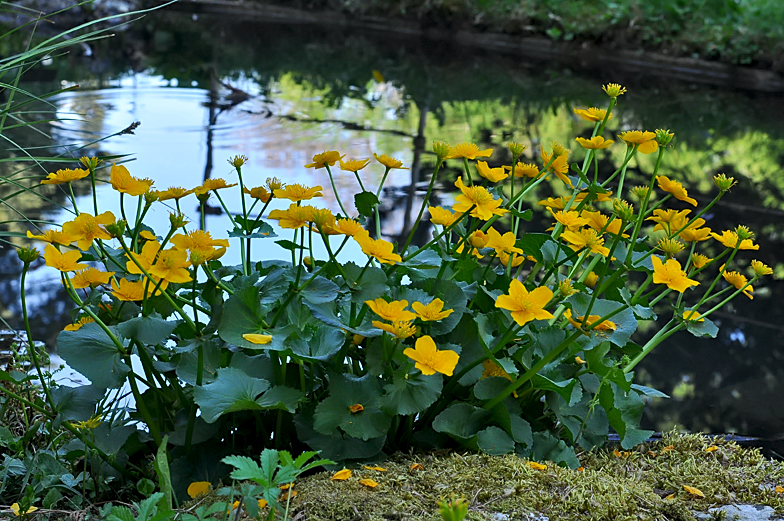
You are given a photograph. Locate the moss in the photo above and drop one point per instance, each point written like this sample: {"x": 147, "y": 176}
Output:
{"x": 623, "y": 485}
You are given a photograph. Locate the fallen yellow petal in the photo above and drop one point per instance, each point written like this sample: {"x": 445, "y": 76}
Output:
{"x": 779, "y": 489}
{"x": 198, "y": 488}
{"x": 536, "y": 466}
{"x": 668, "y": 448}
{"x": 341, "y": 475}
{"x": 369, "y": 483}
{"x": 712, "y": 448}
{"x": 670, "y": 497}
{"x": 255, "y": 338}
{"x": 415, "y": 466}
{"x": 693, "y": 491}
{"x": 380, "y": 469}
{"x": 262, "y": 503}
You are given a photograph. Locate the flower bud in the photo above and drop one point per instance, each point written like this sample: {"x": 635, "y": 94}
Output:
{"x": 640, "y": 192}
{"x": 273, "y": 183}
{"x": 441, "y": 149}
{"x": 178, "y": 220}
{"x": 454, "y": 510}
{"x": 614, "y": 90}
{"x": 150, "y": 196}
{"x": 565, "y": 288}
{"x": 516, "y": 149}
{"x": 478, "y": 239}
{"x": 744, "y": 232}
{"x": 238, "y": 160}
{"x": 670, "y": 246}
{"x": 307, "y": 261}
{"x": 723, "y": 182}
{"x": 27, "y": 255}
{"x": 90, "y": 162}
{"x": 116, "y": 229}
{"x": 559, "y": 150}
{"x": 623, "y": 210}
{"x": 663, "y": 137}
{"x": 760, "y": 269}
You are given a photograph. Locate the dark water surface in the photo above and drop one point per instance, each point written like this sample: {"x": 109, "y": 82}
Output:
{"x": 304, "y": 89}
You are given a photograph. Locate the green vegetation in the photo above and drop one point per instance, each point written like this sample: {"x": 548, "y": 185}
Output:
{"x": 735, "y": 31}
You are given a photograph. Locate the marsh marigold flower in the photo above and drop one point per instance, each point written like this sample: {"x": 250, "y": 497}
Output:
{"x": 85, "y": 228}
{"x": 429, "y": 359}
{"x": 524, "y": 305}
{"x": 171, "y": 266}
{"x": 53, "y": 237}
{"x": 76, "y": 326}
{"x": 571, "y": 219}
{"x": 379, "y": 249}
{"x": 524, "y": 170}
{"x": 592, "y": 114}
{"x": 90, "y": 278}
{"x": 671, "y": 274}
{"x": 354, "y": 165}
{"x": 604, "y": 325}
{"x": 559, "y": 166}
{"x": 173, "y": 192}
{"x": 669, "y": 220}
{"x": 431, "y": 312}
{"x": 730, "y": 240}
{"x": 485, "y": 205}
{"x": 698, "y": 260}
{"x": 401, "y": 329}
{"x": 349, "y": 227}
{"x": 586, "y": 238}
{"x": 614, "y": 90}
{"x": 68, "y": 261}
{"x": 595, "y": 143}
{"x": 675, "y": 188}
{"x": 390, "y": 162}
{"x": 502, "y": 243}
{"x": 738, "y": 280}
{"x": 65, "y": 176}
{"x": 260, "y": 192}
{"x": 645, "y": 140}
{"x": 760, "y": 269}
{"x": 394, "y": 311}
{"x": 467, "y": 151}
{"x": 294, "y": 217}
{"x": 17, "y": 510}
{"x": 128, "y": 291}
{"x": 693, "y": 232}
{"x": 442, "y": 216}
{"x": 491, "y": 174}
{"x": 326, "y": 158}
{"x": 298, "y": 192}
{"x": 670, "y": 246}
{"x": 125, "y": 183}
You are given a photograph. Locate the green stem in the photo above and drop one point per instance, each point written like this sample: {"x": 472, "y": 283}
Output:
{"x": 335, "y": 190}
{"x": 30, "y": 341}
{"x": 424, "y": 205}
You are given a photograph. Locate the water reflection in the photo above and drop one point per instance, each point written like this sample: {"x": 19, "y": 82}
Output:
{"x": 295, "y": 99}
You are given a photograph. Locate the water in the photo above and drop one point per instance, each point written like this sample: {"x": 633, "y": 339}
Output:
{"x": 312, "y": 88}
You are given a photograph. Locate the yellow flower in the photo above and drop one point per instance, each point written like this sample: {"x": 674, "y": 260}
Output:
{"x": 595, "y": 143}
{"x": 645, "y": 140}
{"x": 354, "y": 165}
{"x": 368, "y": 482}
{"x": 294, "y": 217}
{"x": 516, "y": 260}
{"x": 255, "y": 338}
{"x": 592, "y": 114}
{"x": 552, "y": 202}
{"x": 260, "y": 192}
{"x": 173, "y": 192}
{"x": 65, "y": 176}
{"x": 760, "y": 269}
{"x": 671, "y": 274}
{"x": 349, "y": 227}
{"x": 730, "y": 239}
{"x": 525, "y": 306}
{"x": 591, "y": 279}
{"x": 199, "y": 488}
{"x": 85, "y": 228}
{"x": 468, "y": 151}
{"x": 125, "y": 183}
{"x": 614, "y": 90}
{"x": 53, "y": 237}
{"x": 78, "y": 324}
{"x": 565, "y": 288}
{"x": 212, "y": 184}
{"x": 586, "y": 238}
{"x": 669, "y": 220}
{"x": 91, "y": 278}
{"x": 692, "y": 316}
{"x": 328, "y": 157}
{"x": 559, "y": 166}
{"x": 571, "y": 219}
{"x": 341, "y": 475}
{"x": 171, "y": 266}
{"x": 698, "y": 260}
{"x": 502, "y": 243}
{"x": 738, "y": 280}
{"x": 394, "y": 311}
{"x": 442, "y": 216}
{"x": 201, "y": 243}
{"x": 16, "y": 509}
{"x": 400, "y": 329}
{"x": 429, "y": 359}
{"x": 524, "y": 170}
{"x": 670, "y": 246}
{"x": 379, "y": 249}
{"x": 605, "y": 325}
{"x": 68, "y": 261}
{"x": 433, "y": 311}
{"x": 92, "y": 423}
{"x": 693, "y": 233}
{"x": 145, "y": 259}
{"x": 128, "y": 291}
{"x": 390, "y": 162}
{"x": 675, "y": 188}
{"x": 491, "y": 174}
{"x": 485, "y": 205}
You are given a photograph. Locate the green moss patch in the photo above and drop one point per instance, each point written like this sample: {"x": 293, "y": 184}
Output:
{"x": 644, "y": 484}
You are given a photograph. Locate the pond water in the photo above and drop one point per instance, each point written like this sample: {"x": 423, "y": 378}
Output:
{"x": 208, "y": 88}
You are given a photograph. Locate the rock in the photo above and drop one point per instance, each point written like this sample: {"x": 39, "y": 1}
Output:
{"x": 739, "y": 513}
